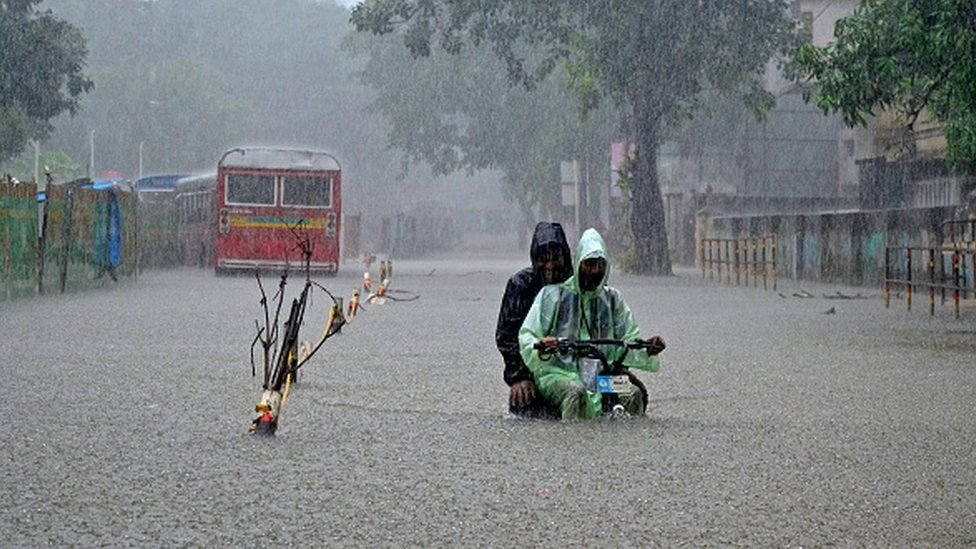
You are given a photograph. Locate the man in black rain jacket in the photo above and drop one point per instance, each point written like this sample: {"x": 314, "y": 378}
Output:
{"x": 551, "y": 264}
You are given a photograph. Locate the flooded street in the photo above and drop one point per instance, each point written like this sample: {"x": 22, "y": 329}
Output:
{"x": 770, "y": 423}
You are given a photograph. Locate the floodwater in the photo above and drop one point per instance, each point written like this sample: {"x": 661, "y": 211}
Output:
{"x": 771, "y": 423}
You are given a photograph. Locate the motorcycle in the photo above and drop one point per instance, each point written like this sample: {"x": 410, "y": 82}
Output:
{"x": 599, "y": 375}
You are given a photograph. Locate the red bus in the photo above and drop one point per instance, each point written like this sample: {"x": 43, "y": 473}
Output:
{"x": 266, "y": 196}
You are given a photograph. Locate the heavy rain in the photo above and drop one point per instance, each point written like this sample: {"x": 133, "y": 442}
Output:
{"x": 284, "y": 273}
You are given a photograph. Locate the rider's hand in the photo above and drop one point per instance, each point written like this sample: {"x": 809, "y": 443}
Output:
{"x": 522, "y": 394}
{"x": 549, "y": 342}
{"x": 655, "y": 345}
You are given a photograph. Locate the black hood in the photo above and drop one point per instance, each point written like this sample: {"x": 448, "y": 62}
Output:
{"x": 549, "y": 235}
{"x": 521, "y": 291}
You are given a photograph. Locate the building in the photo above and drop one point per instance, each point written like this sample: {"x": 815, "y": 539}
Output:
{"x": 801, "y": 161}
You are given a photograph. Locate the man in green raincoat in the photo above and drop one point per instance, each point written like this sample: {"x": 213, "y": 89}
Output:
{"x": 583, "y": 308}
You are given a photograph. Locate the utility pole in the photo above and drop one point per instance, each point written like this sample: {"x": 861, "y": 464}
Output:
{"x": 570, "y": 185}
{"x": 37, "y": 162}
{"x": 91, "y": 157}
{"x": 576, "y": 181}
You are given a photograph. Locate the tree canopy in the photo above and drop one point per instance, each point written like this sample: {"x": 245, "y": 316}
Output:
{"x": 190, "y": 79}
{"x": 902, "y": 55}
{"x": 653, "y": 57}
{"x": 458, "y": 112}
{"x": 41, "y": 73}
{"x": 181, "y": 82}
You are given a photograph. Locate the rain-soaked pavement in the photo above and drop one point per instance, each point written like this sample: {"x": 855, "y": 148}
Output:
{"x": 771, "y": 423}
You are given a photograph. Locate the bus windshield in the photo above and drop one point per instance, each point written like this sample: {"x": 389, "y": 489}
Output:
{"x": 250, "y": 189}
{"x": 307, "y": 192}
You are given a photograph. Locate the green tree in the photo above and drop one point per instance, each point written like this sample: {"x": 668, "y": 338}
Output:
{"x": 190, "y": 80}
{"x": 458, "y": 112}
{"x": 902, "y": 55}
{"x": 653, "y": 57}
{"x": 61, "y": 166}
{"x": 174, "y": 108}
{"x": 41, "y": 60}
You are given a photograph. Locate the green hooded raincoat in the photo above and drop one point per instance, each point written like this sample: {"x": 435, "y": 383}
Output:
{"x": 565, "y": 311}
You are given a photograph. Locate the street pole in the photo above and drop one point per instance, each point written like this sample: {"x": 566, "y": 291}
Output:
{"x": 37, "y": 162}
{"x": 40, "y": 187}
{"x": 91, "y": 157}
{"x": 141, "y": 143}
{"x": 576, "y": 181}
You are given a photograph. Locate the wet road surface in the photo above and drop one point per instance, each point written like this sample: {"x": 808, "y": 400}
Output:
{"x": 771, "y": 423}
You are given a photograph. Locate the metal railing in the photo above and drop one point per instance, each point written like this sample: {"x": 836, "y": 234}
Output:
{"x": 943, "y": 269}
{"x": 741, "y": 257}
{"x": 959, "y": 233}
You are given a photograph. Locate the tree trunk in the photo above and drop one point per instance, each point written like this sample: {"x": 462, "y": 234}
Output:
{"x": 647, "y": 206}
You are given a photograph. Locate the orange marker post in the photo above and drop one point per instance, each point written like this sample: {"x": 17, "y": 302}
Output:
{"x": 887, "y": 278}
{"x": 711, "y": 262}
{"x": 887, "y": 275}
{"x": 931, "y": 281}
{"x": 955, "y": 281}
{"x": 737, "y": 253}
{"x": 755, "y": 263}
{"x": 728, "y": 262}
{"x": 701, "y": 252}
{"x": 764, "y": 263}
{"x": 908, "y": 277}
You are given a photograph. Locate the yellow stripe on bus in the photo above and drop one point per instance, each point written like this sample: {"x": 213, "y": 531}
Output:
{"x": 265, "y": 223}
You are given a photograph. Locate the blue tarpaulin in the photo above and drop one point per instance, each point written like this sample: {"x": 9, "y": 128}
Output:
{"x": 107, "y": 234}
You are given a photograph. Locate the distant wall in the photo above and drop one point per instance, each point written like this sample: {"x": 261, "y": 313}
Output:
{"x": 841, "y": 247}
{"x": 683, "y": 214}
{"x": 413, "y": 236}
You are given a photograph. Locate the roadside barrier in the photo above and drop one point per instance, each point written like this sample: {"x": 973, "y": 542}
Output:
{"x": 741, "y": 256}
{"x": 283, "y": 359}
{"x": 946, "y": 269}
{"x": 960, "y": 233}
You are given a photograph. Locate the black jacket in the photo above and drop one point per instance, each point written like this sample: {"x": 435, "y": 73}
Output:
{"x": 519, "y": 295}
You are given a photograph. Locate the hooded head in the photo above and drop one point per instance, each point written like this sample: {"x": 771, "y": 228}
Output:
{"x": 592, "y": 268}
{"x": 550, "y": 253}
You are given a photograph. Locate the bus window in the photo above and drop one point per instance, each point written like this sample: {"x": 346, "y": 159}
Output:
{"x": 250, "y": 189}
{"x": 309, "y": 192}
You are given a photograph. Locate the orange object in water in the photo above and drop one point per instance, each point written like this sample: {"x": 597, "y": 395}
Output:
{"x": 353, "y": 304}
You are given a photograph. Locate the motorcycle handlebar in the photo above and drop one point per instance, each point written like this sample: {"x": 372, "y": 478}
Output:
{"x": 591, "y": 349}
{"x": 563, "y": 345}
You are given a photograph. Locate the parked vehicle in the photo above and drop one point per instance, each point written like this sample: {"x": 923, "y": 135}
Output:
{"x": 264, "y": 197}
{"x": 157, "y": 188}
{"x": 196, "y": 218}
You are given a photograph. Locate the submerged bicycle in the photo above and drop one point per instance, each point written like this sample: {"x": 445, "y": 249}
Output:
{"x": 284, "y": 353}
